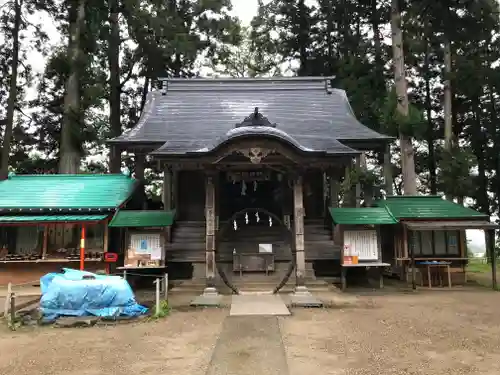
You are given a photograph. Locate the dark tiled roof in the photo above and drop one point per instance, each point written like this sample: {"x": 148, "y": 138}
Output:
{"x": 200, "y": 114}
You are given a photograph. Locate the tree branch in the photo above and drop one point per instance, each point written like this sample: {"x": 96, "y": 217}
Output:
{"x": 130, "y": 71}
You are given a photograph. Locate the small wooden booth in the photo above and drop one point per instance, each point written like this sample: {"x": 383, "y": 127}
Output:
{"x": 145, "y": 240}
{"x": 358, "y": 232}
{"x": 429, "y": 245}
{"x": 49, "y": 222}
{"x": 438, "y": 268}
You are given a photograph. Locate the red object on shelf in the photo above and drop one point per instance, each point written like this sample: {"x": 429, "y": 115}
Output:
{"x": 110, "y": 257}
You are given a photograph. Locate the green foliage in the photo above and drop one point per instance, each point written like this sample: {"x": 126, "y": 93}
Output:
{"x": 454, "y": 172}
{"x": 13, "y": 324}
{"x": 395, "y": 123}
{"x": 365, "y": 177}
{"x": 246, "y": 59}
{"x": 164, "y": 310}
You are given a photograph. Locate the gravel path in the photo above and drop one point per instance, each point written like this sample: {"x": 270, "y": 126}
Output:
{"x": 249, "y": 345}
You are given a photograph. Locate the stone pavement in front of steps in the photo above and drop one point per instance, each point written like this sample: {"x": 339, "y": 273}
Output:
{"x": 250, "y": 341}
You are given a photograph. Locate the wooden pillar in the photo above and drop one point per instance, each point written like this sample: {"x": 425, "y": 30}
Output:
{"x": 45, "y": 241}
{"x": 82, "y": 249}
{"x": 105, "y": 244}
{"x": 106, "y": 237}
{"x": 286, "y": 200}
{"x": 175, "y": 189}
{"x": 333, "y": 190}
{"x": 360, "y": 164}
{"x": 210, "y": 269}
{"x": 167, "y": 198}
{"x": 139, "y": 176}
{"x": 349, "y": 199}
{"x": 167, "y": 189}
{"x": 139, "y": 160}
{"x": 298, "y": 204}
{"x": 493, "y": 257}
{"x": 333, "y": 195}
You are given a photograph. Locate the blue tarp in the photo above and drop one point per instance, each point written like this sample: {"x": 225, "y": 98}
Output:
{"x": 68, "y": 294}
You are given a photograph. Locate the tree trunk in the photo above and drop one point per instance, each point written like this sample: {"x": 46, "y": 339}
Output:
{"x": 387, "y": 169}
{"x": 380, "y": 87}
{"x": 11, "y": 103}
{"x": 144, "y": 93}
{"x": 70, "y": 148}
{"x": 479, "y": 139}
{"x": 115, "y": 161}
{"x": 448, "y": 126}
{"x": 407, "y": 152}
{"x": 496, "y": 142}
{"x": 431, "y": 161}
{"x": 302, "y": 39}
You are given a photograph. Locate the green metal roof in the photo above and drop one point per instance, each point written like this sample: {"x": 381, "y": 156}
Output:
{"x": 426, "y": 207}
{"x": 132, "y": 218}
{"x": 50, "y": 218}
{"x": 63, "y": 191}
{"x": 362, "y": 216}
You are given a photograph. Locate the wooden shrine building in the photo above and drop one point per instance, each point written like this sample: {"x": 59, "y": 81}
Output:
{"x": 250, "y": 166}
{"x": 49, "y": 222}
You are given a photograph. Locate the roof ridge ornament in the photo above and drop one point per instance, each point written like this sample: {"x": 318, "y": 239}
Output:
{"x": 256, "y": 119}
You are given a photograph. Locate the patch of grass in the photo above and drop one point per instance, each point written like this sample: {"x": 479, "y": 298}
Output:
{"x": 12, "y": 325}
{"x": 479, "y": 267}
{"x": 163, "y": 311}
{"x": 480, "y": 273}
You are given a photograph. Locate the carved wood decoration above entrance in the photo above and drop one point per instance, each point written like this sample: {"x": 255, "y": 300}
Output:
{"x": 255, "y": 119}
{"x": 256, "y": 154}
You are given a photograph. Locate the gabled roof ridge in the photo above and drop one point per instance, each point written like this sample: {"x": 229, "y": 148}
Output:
{"x": 410, "y": 197}
{"x": 389, "y": 212}
{"x": 72, "y": 175}
{"x": 249, "y": 79}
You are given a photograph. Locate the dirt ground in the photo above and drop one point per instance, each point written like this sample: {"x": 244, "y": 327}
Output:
{"x": 428, "y": 332}
{"x": 432, "y": 332}
{"x": 181, "y": 344}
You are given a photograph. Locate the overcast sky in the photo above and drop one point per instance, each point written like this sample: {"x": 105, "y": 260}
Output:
{"x": 245, "y": 10}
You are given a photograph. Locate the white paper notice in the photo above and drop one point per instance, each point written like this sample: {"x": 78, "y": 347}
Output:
{"x": 265, "y": 248}
{"x": 156, "y": 253}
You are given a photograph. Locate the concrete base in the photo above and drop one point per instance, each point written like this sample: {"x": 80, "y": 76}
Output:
{"x": 309, "y": 271}
{"x": 209, "y": 298}
{"x": 303, "y": 298}
{"x": 258, "y": 304}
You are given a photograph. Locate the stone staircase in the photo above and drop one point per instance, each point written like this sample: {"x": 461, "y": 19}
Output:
{"x": 252, "y": 282}
{"x": 188, "y": 246}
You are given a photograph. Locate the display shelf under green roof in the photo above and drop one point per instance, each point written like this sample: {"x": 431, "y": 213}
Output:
{"x": 427, "y": 207}
{"x": 51, "y": 218}
{"x": 65, "y": 191}
{"x": 145, "y": 218}
{"x": 362, "y": 216}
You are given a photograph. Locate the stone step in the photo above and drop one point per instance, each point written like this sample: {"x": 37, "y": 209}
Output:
{"x": 199, "y": 285}
{"x": 250, "y": 288}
